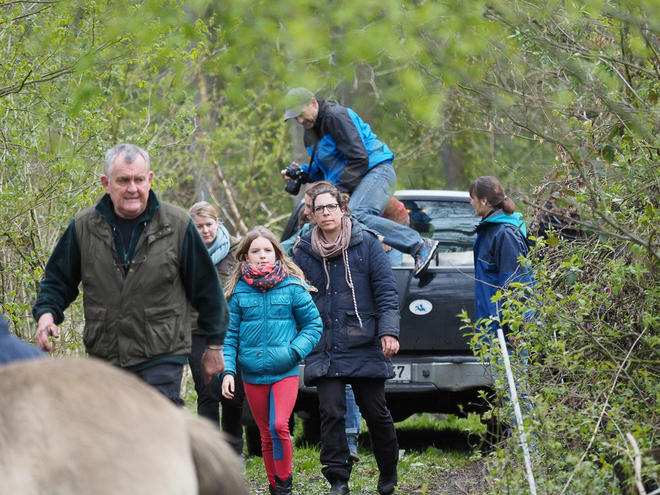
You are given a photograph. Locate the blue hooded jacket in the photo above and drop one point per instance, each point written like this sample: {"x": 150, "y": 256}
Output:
{"x": 501, "y": 240}
{"x": 263, "y": 334}
{"x": 346, "y": 147}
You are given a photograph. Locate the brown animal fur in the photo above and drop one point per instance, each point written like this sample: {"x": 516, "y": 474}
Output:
{"x": 80, "y": 426}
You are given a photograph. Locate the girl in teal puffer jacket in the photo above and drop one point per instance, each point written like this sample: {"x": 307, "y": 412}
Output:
{"x": 273, "y": 325}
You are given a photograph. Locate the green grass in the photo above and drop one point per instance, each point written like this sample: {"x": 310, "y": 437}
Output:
{"x": 438, "y": 455}
{"x": 434, "y": 449}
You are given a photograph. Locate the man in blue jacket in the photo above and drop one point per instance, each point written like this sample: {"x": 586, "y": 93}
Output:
{"x": 345, "y": 152}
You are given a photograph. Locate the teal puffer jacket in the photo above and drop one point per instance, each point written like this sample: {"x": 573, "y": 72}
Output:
{"x": 270, "y": 331}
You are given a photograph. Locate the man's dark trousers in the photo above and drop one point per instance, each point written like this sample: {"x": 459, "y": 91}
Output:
{"x": 209, "y": 395}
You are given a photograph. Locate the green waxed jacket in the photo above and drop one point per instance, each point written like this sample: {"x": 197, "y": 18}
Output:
{"x": 136, "y": 311}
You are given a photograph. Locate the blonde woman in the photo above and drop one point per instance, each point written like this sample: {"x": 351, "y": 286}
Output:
{"x": 221, "y": 247}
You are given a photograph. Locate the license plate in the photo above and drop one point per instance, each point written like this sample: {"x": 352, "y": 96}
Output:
{"x": 401, "y": 373}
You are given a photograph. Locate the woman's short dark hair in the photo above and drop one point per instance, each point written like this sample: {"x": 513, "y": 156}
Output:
{"x": 490, "y": 188}
{"x": 315, "y": 186}
{"x": 340, "y": 197}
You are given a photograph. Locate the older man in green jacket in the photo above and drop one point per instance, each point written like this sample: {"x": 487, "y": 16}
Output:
{"x": 141, "y": 262}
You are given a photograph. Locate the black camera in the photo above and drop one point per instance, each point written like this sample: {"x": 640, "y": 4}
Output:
{"x": 298, "y": 176}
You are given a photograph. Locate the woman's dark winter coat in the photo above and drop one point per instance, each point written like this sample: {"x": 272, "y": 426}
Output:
{"x": 345, "y": 349}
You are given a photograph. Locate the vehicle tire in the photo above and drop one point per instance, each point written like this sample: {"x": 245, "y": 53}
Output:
{"x": 253, "y": 440}
{"x": 312, "y": 430}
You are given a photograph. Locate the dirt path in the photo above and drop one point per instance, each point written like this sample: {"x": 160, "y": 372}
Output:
{"x": 470, "y": 479}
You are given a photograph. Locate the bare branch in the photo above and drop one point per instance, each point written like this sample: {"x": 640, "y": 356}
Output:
{"x": 602, "y": 414}
{"x": 230, "y": 197}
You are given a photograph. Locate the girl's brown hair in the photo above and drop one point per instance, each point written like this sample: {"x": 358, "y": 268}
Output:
{"x": 490, "y": 188}
{"x": 242, "y": 253}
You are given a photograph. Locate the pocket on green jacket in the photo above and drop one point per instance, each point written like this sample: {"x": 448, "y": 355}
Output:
{"x": 160, "y": 328}
{"x": 95, "y": 328}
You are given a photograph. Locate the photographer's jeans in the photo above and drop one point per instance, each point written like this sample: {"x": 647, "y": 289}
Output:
{"x": 352, "y": 418}
{"x": 368, "y": 202}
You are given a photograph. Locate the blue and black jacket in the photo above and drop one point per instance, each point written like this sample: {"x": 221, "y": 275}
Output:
{"x": 346, "y": 148}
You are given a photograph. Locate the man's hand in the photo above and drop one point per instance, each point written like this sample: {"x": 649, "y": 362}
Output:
{"x": 213, "y": 363}
{"x": 283, "y": 171}
{"x": 386, "y": 247}
{"x": 390, "y": 345}
{"x": 45, "y": 329}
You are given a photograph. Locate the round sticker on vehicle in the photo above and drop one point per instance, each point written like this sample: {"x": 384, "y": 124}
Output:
{"x": 420, "y": 307}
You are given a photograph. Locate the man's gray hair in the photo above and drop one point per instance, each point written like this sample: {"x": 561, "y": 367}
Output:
{"x": 130, "y": 152}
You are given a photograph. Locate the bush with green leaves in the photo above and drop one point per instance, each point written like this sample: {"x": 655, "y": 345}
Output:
{"x": 79, "y": 77}
{"x": 595, "y": 355}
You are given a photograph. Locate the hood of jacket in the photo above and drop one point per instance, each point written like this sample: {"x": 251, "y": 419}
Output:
{"x": 499, "y": 216}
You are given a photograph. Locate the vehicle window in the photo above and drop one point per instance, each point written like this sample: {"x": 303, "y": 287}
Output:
{"x": 452, "y": 223}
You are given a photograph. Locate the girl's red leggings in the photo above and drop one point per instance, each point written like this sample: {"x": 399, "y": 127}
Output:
{"x": 271, "y": 407}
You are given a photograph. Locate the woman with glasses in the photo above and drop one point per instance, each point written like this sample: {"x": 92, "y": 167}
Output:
{"x": 357, "y": 299}
{"x": 307, "y": 222}
{"x": 221, "y": 247}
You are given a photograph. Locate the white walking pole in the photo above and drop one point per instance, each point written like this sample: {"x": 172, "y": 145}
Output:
{"x": 516, "y": 408}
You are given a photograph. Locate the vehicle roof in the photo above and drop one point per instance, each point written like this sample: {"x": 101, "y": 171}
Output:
{"x": 429, "y": 194}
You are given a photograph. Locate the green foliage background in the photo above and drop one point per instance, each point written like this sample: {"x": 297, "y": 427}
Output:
{"x": 557, "y": 99}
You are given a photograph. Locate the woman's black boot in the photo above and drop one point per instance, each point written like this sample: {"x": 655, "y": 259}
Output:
{"x": 386, "y": 484}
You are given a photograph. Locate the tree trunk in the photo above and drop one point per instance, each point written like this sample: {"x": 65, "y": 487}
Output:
{"x": 452, "y": 161}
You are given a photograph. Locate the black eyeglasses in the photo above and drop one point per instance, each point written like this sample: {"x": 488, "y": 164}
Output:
{"x": 331, "y": 207}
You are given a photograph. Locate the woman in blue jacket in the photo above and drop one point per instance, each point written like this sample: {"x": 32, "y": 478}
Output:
{"x": 268, "y": 301}
{"x": 358, "y": 301}
{"x": 501, "y": 242}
